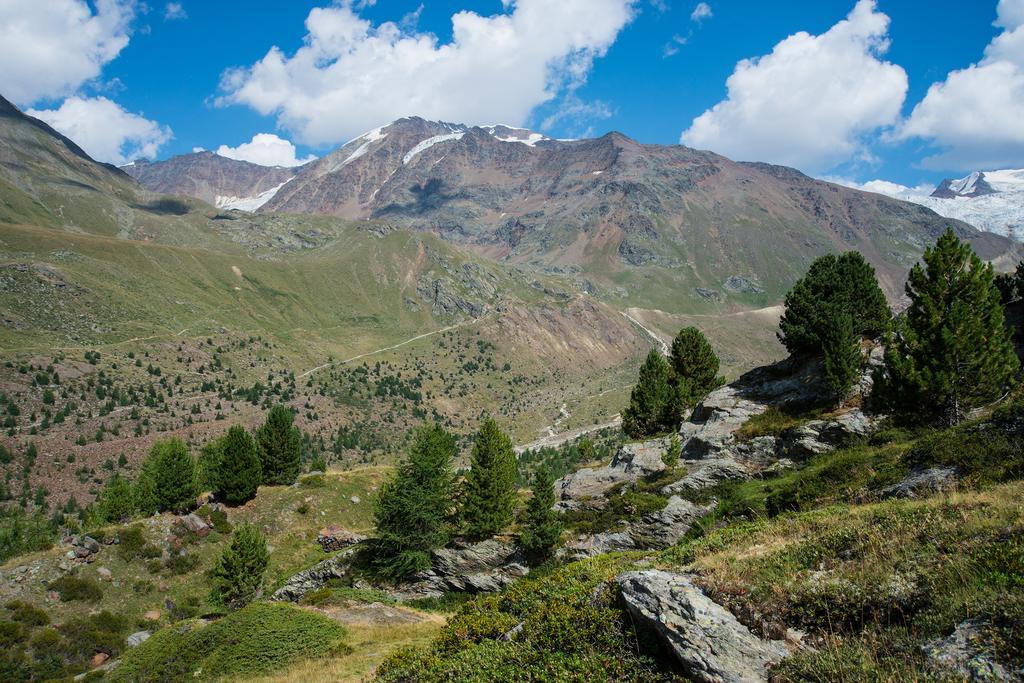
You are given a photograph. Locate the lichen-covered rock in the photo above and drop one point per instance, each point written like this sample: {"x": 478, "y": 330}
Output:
{"x": 961, "y": 656}
{"x": 665, "y": 527}
{"x": 708, "y": 642}
{"x": 484, "y": 567}
{"x": 703, "y": 474}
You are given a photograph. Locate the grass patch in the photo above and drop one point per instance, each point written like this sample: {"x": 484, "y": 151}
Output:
{"x": 70, "y": 587}
{"x": 258, "y": 639}
{"x": 776, "y": 420}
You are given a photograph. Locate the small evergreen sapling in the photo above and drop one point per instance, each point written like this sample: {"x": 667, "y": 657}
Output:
{"x": 673, "y": 453}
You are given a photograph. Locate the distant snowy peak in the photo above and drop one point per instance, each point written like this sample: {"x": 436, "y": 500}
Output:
{"x": 989, "y": 200}
{"x": 974, "y": 185}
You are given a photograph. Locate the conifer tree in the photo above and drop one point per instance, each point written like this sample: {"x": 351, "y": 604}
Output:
{"x": 239, "y": 471}
{"x": 238, "y": 574}
{"x": 834, "y": 285}
{"x": 542, "y": 527}
{"x": 694, "y": 362}
{"x": 673, "y": 453}
{"x": 652, "y": 401}
{"x": 116, "y": 502}
{"x": 167, "y": 479}
{"x": 490, "y": 488}
{"x": 208, "y": 464}
{"x": 280, "y": 446}
{"x": 414, "y": 507}
{"x": 842, "y": 356}
{"x": 951, "y": 351}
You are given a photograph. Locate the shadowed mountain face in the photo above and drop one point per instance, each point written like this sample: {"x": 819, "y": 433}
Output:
{"x": 208, "y": 176}
{"x": 618, "y": 212}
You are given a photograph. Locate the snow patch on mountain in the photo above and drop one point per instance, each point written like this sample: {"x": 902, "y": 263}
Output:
{"x": 249, "y": 204}
{"x": 430, "y": 142}
{"x": 1000, "y": 210}
{"x": 367, "y": 139}
{"x": 505, "y": 133}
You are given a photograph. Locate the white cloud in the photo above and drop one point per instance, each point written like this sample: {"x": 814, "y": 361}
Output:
{"x": 351, "y": 76}
{"x": 105, "y": 130}
{"x": 812, "y": 100}
{"x": 48, "y": 49}
{"x": 701, "y": 12}
{"x": 975, "y": 114}
{"x": 196, "y": 150}
{"x": 174, "y": 10}
{"x": 265, "y": 149}
{"x": 885, "y": 187}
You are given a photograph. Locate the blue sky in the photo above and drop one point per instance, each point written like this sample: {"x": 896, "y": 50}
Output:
{"x": 166, "y": 78}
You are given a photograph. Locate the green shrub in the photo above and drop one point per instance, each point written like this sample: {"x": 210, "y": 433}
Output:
{"x": 259, "y": 639}
{"x": 70, "y": 587}
{"x": 21, "y": 532}
{"x": 26, "y": 613}
{"x": 101, "y": 632}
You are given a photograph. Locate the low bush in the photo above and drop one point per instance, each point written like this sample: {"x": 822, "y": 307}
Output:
{"x": 70, "y": 587}
{"x": 258, "y": 639}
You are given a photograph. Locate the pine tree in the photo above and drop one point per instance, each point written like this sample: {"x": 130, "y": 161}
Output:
{"x": 490, "y": 488}
{"x": 414, "y": 507}
{"x": 280, "y": 446}
{"x": 238, "y": 574}
{"x": 116, "y": 502}
{"x": 842, "y": 356}
{"x": 542, "y": 527}
{"x": 652, "y": 400}
{"x": 167, "y": 479}
{"x": 952, "y": 351}
{"x": 673, "y": 453}
{"x": 239, "y": 472}
{"x": 694, "y": 362}
{"x": 208, "y": 464}
{"x": 833, "y": 285}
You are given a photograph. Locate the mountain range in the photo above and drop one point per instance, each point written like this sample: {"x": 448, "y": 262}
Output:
{"x": 610, "y": 212}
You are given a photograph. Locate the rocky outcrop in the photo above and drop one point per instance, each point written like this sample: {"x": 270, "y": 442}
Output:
{"x": 821, "y": 436}
{"x": 631, "y": 462}
{"x": 484, "y": 567}
{"x": 922, "y": 483}
{"x": 657, "y": 530}
{"x": 708, "y": 642}
{"x": 316, "y": 576}
{"x": 961, "y": 656}
{"x": 334, "y": 538}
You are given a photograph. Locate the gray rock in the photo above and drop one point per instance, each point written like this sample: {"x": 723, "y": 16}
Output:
{"x": 708, "y": 642}
{"x": 315, "y": 577}
{"x": 821, "y": 436}
{"x": 922, "y": 482}
{"x": 631, "y": 462}
{"x": 703, "y": 474}
{"x": 138, "y": 638}
{"x": 333, "y": 538}
{"x": 90, "y": 544}
{"x": 195, "y": 524}
{"x": 665, "y": 527}
{"x": 484, "y": 567}
{"x": 592, "y": 545}
{"x": 961, "y": 655}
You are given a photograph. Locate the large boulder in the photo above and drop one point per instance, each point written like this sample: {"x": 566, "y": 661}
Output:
{"x": 334, "y": 538}
{"x": 708, "y": 642}
{"x": 821, "y": 436}
{"x": 922, "y": 483}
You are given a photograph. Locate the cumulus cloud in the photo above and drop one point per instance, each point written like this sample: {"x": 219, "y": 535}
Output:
{"x": 105, "y": 130}
{"x": 975, "y": 114}
{"x": 886, "y": 187}
{"x": 701, "y": 12}
{"x": 174, "y": 10}
{"x": 350, "y": 76}
{"x": 48, "y": 49}
{"x": 812, "y": 100}
{"x": 265, "y": 149}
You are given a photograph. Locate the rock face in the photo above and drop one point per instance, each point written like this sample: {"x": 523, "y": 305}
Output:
{"x": 487, "y": 566}
{"x": 708, "y": 642}
{"x": 316, "y": 576}
{"x": 961, "y": 656}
